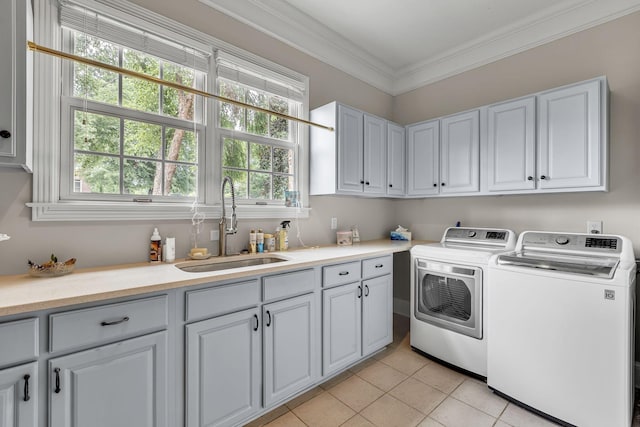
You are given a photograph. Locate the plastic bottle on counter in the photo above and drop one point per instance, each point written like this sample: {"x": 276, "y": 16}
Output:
{"x": 155, "y": 252}
{"x": 260, "y": 241}
{"x": 169, "y": 250}
{"x": 252, "y": 242}
{"x": 269, "y": 243}
{"x": 283, "y": 236}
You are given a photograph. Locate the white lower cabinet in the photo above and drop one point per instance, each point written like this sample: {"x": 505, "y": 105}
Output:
{"x": 223, "y": 369}
{"x": 341, "y": 326}
{"x": 121, "y": 384}
{"x": 19, "y": 396}
{"x": 358, "y": 316}
{"x": 290, "y": 350}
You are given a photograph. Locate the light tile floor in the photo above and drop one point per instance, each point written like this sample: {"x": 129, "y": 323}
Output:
{"x": 400, "y": 388}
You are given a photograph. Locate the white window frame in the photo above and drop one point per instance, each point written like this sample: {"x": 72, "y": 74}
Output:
{"x": 47, "y": 204}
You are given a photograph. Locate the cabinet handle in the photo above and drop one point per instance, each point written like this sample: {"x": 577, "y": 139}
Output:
{"x": 269, "y": 316}
{"x": 367, "y": 182}
{"x": 390, "y": 185}
{"x": 57, "y": 389}
{"x": 529, "y": 178}
{"x": 379, "y": 265}
{"x": 343, "y": 273}
{"x": 26, "y": 387}
{"x": 443, "y": 184}
{"x": 435, "y": 185}
{"x": 543, "y": 177}
{"x": 115, "y": 322}
{"x": 366, "y": 290}
{"x": 359, "y": 291}
{"x": 5, "y": 134}
{"x": 257, "y": 322}
{"x": 362, "y": 181}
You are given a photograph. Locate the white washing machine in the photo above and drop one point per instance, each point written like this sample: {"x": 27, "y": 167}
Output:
{"x": 448, "y": 301}
{"x": 561, "y": 317}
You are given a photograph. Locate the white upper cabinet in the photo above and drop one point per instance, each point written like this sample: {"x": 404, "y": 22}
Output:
{"x": 571, "y": 136}
{"x": 396, "y": 151}
{"x": 375, "y": 155}
{"x": 352, "y": 160}
{"x": 460, "y": 153}
{"x": 423, "y": 158}
{"x": 350, "y": 150}
{"x": 511, "y": 145}
{"x": 16, "y": 22}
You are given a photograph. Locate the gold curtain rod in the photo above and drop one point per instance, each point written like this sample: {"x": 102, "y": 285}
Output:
{"x": 38, "y": 48}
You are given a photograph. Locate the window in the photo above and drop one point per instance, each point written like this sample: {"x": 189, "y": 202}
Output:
{"x": 106, "y": 142}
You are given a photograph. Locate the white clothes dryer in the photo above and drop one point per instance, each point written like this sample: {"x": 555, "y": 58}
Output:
{"x": 448, "y": 301}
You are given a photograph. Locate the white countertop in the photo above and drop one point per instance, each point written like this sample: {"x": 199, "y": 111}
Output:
{"x": 23, "y": 293}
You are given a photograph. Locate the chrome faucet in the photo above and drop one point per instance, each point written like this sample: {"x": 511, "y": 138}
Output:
{"x": 222, "y": 225}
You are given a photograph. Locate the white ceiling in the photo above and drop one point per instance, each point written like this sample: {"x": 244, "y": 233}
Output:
{"x": 399, "y": 45}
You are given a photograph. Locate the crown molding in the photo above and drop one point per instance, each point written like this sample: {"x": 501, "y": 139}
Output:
{"x": 279, "y": 20}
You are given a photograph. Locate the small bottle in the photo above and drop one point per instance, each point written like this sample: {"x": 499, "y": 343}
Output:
{"x": 252, "y": 241}
{"x": 283, "y": 236}
{"x": 155, "y": 253}
{"x": 169, "y": 250}
{"x": 260, "y": 241}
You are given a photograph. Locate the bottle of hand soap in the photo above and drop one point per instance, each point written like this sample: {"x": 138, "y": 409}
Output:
{"x": 155, "y": 252}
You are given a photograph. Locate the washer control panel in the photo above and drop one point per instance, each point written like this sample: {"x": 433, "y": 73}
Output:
{"x": 571, "y": 241}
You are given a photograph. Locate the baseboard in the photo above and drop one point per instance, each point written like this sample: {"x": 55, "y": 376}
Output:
{"x": 403, "y": 307}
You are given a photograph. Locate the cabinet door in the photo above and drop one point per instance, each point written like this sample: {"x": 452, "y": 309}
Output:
{"x": 223, "y": 373}
{"x": 511, "y": 145}
{"x": 570, "y": 136}
{"x": 350, "y": 150}
{"x": 422, "y": 158}
{"x": 460, "y": 153}
{"x": 19, "y": 395}
{"x": 341, "y": 327}
{"x": 122, "y": 384}
{"x": 15, "y": 93}
{"x": 396, "y": 170}
{"x": 290, "y": 348}
{"x": 377, "y": 313}
{"x": 375, "y": 155}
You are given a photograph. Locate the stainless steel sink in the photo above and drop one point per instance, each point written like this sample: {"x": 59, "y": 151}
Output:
{"x": 227, "y": 263}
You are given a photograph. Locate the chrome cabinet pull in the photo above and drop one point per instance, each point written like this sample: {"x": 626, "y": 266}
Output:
{"x": 269, "y": 316}
{"x": 257, "y": 322}
{"x": 115, "y": 322}
{"x": 57, "y": 389}
{"x": 366, "y": 290}
{"x": 26, "y": 387}
{"x": 343, "y": 273}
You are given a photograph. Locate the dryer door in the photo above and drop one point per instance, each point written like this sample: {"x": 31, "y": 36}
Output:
{"x": 449, "y": 296}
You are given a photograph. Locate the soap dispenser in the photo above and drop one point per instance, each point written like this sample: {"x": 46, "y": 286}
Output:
{"x": 155, "y": 252}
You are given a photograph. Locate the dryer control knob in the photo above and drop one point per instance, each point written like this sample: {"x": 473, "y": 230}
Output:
{"x": 562, "y": 240}
{"x": 471, "y": 233}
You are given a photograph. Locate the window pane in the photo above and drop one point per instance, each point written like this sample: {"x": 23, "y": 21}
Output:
{"x": 282, "y": 160}
{"x": 94, "y": 83}
{"x": 142, "y": 139}
{"x": 97, "y": 174}
{"x": 257, "y": 123}
{"x": 181, "y": 145}
{"x": 96, "y": 132}
{"x": 239, "y": 183}
{"x": 231, "y": 116}
{"x": 180, "y": 180}
{"x": 140, "y": 94}
{"x": 177, "y": 103}
{"x": 259, "y": 185}
{"x": 235, "y": 153}
{"x": 139, "y": 176}
{"x": 278, "y": 127}
{"x": 260, "y": 158}
{"x": 281, "y": 183}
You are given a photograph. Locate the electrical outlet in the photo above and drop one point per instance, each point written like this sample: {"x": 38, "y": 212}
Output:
{"x": 214, "y": 235}
{"x": 334, "y": 223}
{"x": 594, "y": 227}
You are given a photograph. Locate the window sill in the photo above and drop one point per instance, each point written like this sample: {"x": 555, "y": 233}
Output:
{"x": 108, "y": 211}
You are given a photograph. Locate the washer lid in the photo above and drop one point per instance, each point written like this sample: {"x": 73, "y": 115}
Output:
{"x": 591, "y": 266}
